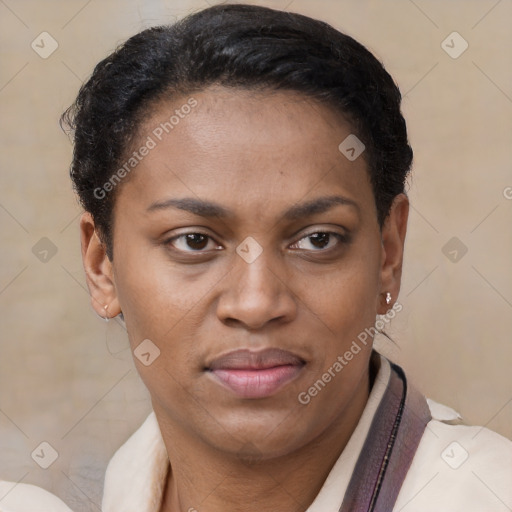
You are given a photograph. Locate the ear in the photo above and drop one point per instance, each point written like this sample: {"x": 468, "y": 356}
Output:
{"x": 393, "y": 239}
{"x": 98, "y": 270}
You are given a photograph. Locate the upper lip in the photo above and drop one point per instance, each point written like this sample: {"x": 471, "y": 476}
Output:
{"x": 246, "y": 359}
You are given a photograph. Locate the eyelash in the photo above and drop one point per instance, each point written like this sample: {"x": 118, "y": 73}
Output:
{"x": 342, "y": 239}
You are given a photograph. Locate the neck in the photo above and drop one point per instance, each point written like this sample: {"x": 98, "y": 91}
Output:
{"x": 206, "y": 480}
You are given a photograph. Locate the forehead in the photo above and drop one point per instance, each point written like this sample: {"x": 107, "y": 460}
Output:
{"x": 254, "y": 149}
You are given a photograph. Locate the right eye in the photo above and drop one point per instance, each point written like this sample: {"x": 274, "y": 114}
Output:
{"x": 191, "y": 242}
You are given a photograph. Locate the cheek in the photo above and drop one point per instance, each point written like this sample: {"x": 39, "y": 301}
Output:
{"x": 338, "y": 321}
{"x": 159, "y": 305}
{"x": 156, "y": 294}
{"x": 342, "y": 311}
{"x": 166, "y": 304}
{"x": 343, "y": 297}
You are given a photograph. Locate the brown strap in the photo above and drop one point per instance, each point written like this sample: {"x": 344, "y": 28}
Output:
{"x": 387, "y": 453}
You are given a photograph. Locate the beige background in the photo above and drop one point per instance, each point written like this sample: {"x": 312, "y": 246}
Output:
{"x": 66, "y": 377}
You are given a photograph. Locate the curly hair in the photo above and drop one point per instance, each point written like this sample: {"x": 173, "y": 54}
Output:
{"x": 236, "y": 46}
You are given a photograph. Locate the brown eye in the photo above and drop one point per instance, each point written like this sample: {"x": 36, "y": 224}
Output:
{"x": 191, "y": 242}
{"x": 320, "y": 240}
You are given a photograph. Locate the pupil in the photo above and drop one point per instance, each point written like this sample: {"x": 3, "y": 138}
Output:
{"x": 193, "y": 243}
{"x": 322, "y": 237}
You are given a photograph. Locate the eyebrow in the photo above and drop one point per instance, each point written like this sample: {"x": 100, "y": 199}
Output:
{"x": 205, "y": 208}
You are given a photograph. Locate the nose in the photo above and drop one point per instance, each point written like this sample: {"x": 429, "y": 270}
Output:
{"x": 256, "y": 294}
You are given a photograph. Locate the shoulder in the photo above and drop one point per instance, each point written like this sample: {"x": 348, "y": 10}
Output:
{"x": 17, "y": 497}
{"x": 136, "y": 474}
{"x": 458, "y": 468}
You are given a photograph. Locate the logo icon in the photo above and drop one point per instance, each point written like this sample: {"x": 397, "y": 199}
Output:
{"x": 249, "y": 249}
{"x": 249, "y": 454}
{"x": 44, "y": 45}
{"x": 454, "y": 45}
{"x": 44, "y": 455}
{"x": 146, "y": 352}
{"x": 454, "y": 455}
{"x": 454, "y": 249}
{"x": 44, "y": 250}
{"x": 351, "y": 147}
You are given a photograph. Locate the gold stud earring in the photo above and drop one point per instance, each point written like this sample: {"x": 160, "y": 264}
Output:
{"x": 105, "y": 317}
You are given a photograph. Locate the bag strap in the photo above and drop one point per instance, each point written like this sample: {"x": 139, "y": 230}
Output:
{"x": 387, "y": 453}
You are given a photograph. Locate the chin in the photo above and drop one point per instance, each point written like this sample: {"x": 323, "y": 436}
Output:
{"x": 258, "y": 436}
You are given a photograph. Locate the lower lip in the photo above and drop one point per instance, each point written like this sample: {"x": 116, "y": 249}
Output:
{"x": 257, "y": 383}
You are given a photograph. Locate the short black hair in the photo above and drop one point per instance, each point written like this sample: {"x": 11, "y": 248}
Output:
{"x": 237, "y": 46}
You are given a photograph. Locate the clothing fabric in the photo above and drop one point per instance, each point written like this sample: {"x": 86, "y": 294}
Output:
{"x": 396, "y": 430}
{"x": 455, "y": 468}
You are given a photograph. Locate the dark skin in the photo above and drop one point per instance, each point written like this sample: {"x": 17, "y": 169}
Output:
{"x": 257, "y": 155}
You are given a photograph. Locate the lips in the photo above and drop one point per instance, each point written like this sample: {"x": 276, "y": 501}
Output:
{"x": 250, "y": 374}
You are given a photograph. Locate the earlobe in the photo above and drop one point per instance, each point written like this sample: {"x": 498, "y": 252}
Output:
{"x": 393, "y": 240}
{"x": 98, "y": 270}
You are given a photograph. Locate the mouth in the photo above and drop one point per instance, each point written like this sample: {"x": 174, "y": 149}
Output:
{"x": 253, "y": 375}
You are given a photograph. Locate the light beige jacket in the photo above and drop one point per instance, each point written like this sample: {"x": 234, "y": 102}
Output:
{"x": 456, "y": 468}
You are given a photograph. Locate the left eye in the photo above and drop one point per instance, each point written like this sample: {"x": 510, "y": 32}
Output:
{"x": 320, "y": 240}
{"x": 191, "y": 242}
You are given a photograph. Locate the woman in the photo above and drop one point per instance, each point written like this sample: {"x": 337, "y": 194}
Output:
{"x": 242, "y": 174}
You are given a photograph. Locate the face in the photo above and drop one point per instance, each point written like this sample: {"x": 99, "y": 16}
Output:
{"x": 247, "y": 250}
